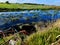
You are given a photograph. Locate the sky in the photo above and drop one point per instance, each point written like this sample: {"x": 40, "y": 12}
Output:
{"x": 47, "y": 2}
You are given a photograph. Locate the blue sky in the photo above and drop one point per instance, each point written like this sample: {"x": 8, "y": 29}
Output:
{"x": 48, "y": 2}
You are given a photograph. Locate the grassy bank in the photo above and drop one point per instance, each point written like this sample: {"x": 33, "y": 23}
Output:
{"x": 43, "y": 38}
{"x": 18, "y": 7}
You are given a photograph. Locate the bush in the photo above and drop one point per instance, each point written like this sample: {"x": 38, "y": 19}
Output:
{"x": 7, "y": 2}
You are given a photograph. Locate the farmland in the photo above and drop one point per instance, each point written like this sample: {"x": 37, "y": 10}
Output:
{"x": 21, "y": 7}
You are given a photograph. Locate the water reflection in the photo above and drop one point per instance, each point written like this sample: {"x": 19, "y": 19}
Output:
{"x": 12, "y": 18}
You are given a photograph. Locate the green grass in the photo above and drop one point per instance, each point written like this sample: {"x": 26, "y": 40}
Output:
{"x": 1, "y": 41}
{"x": 6, "y": 39}
{"x": 14, "y": 7}
{"x": 22, "y": 6}
{"x": 43, "y": 38}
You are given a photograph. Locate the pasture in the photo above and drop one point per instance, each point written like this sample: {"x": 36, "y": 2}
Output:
{"x": 19, "y": 7}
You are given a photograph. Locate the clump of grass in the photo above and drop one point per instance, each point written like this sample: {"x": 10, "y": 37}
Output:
{"x": 5, "y": 40}
{"x": 43, "y": 38}
{"x": 1, "y": 40}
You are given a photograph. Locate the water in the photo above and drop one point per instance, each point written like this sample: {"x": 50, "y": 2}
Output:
{"x": 8, "y": 19}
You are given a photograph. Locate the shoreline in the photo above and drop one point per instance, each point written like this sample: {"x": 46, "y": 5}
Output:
{"x": 13, "y": 10}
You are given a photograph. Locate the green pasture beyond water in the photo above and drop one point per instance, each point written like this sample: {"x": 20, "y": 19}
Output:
{"x": 22, "y": 6}
{"x": 14, "y": 7}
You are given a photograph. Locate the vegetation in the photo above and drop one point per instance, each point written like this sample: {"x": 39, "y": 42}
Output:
{"x": 18, "y": 7}
{"x": 43, "y": 38}
{"x": 2, "y": 41}
{"x": 5, "y": 40}
{"x": 7, "y": 2}
{"x": 46, "y": 37}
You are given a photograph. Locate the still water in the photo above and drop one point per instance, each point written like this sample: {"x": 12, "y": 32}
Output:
{"x": 8, "y": 19}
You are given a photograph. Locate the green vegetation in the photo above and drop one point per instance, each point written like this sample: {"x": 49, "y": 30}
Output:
{"x": 43, "y": 38}
{"x": 18, "y": 7}
{"x": 5, "y": 40}
{"x": 7, "y": 2}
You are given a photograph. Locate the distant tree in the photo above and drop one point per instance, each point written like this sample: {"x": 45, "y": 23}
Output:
{"x": 7, "y": 2}
{"x": 42, "y": 4}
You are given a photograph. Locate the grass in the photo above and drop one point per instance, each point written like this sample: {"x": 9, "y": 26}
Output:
{"x": 18, "y": 7}
{"x": 1, "y": 41}
{"x": 43, "y": 38}
{"x": 46, "y": 37}
{"x": 5, "y": 40}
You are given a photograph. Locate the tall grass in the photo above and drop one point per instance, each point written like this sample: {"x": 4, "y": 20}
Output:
{"x": 5, "y": 40}
{"x": 43, "y": 38}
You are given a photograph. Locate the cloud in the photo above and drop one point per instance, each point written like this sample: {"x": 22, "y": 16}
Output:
{"x": 48, "y": 2}
{"x": 11, "y": 1}
{"x": 3, "y": 0}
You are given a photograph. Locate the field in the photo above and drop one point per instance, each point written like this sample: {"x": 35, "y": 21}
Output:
{"x": 18, "y": 7}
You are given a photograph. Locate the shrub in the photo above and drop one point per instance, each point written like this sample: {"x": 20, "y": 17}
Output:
{"x": 7, "y": 2}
